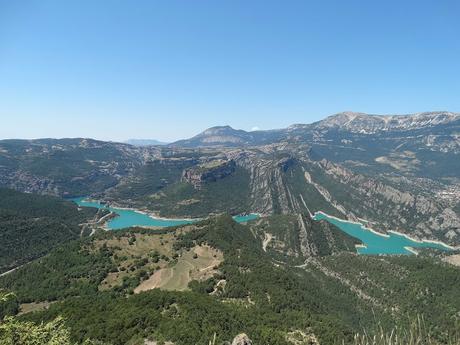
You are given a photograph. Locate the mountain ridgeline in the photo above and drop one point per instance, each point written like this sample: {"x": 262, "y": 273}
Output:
{"x": 396, "y": 172}
{"x": 284, "y": 278}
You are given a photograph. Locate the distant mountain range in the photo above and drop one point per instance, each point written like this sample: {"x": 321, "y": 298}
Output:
{"x": 145, "y": 142}
{"x": 365, "y": 123}
{"x": 351, "y": 122}
{"x": 399, "y": 172}
{"x": 286, "y": 278}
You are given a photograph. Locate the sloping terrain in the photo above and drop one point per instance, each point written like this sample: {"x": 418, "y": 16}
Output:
{"x": 66, "y": 167}
{"x": 392, "y": 172}
{"x": 31, "y": 225}
{"x": 256, "y": 289}
{"x": 292, "y": 238}
{"x": 226, "y": 136}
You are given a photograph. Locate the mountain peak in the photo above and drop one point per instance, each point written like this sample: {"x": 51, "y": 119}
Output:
{"x": 145, "y": 142}
{"x": 217, "y": 136}
{"x": 353, "y": 122}
{"x": 371, "y": 123}
{"x": 219, "y": 129}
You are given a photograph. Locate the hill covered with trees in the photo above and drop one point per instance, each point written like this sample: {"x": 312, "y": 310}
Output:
{"x": 258, "y": 290}
{"x": 31, "y": 225}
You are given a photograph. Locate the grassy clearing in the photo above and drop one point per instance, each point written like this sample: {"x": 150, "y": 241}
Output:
{"x": 135, "y": 253}
{"x": 199, "y": 263}
{"x": 152, "y": 257}
{"x": 453, "y": 259}
{"x": 35, "y": 306}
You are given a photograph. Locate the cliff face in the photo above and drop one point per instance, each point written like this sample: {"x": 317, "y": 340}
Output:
{"x": 208, "y": 172}
{"x": 285, "y": 180}
{"x": 297, "y": 237}
{"x": 365, "y": 123}
{"x": 330, "y": 167}
{"x": 67, "y": 167}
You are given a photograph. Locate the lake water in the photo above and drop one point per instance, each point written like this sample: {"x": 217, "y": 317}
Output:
{"x": 127, "y": 218}
{"x": 375, "y": 243}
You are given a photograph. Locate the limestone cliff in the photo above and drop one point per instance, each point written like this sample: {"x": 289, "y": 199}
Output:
{"x": 208, "y": 172}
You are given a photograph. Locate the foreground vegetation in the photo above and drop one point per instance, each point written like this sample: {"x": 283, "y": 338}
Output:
{"x": 415, "y": 334}
{"x": 92, "y": 284}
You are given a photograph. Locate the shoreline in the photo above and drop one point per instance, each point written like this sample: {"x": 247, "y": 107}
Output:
{"x": 447, "y": 246}
{"x": 412, "y": 250}
{"x": 154, "y": 216}
{"x": 360, "y": 246}
{"x": 113, "y": 208}
{"x": 157, "y": 217}
{"x": 146, "y": 213}
{"x": 353, "y": 222}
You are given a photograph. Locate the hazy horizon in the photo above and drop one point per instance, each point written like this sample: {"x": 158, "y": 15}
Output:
{"x": 125, "y": 140}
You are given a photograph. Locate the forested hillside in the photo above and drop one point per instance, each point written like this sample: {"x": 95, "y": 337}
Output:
{"x": 257, "y": 289}
{"x": 281, "y": 279}
{"x": 31, "y": 225}
{"x": 369, "y": 169}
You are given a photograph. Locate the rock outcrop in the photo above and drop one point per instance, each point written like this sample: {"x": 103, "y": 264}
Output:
{"x": 241, "y": 339}
{"x": 208, "y": 172}
{"x": 351, "y": 166}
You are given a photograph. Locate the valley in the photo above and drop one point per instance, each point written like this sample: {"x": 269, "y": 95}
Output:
{"x": 229, "y": 172}
{"x": 303, "y": 235}
{"x": 304, "y": 168}
{"x": 126, "y": 218}
{"x": 130, "y": 285}
{"x": 376, "y": 243}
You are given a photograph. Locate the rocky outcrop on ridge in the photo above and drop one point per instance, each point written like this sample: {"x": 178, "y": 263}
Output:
{"x": 208, "y": 172}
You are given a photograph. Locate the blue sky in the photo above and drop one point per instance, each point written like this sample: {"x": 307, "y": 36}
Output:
{"x": 168, "y": 69}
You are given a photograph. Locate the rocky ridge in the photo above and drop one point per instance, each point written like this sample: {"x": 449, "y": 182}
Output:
{"x": 208, "y": 172}
{"x": 302, "y": 169}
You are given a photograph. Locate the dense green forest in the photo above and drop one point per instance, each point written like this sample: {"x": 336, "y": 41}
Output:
{"x": 331, "y": 296}
{"x": 321, "y": 239}
{"x": 31, "y": 225}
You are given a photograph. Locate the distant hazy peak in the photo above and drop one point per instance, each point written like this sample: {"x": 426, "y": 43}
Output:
{"x": 219, "y": 130}
{"x": 218, "y": 136}
{"x": 144, "y": 142}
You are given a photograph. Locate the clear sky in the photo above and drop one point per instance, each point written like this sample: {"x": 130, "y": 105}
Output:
{"x": 169, "y": 69}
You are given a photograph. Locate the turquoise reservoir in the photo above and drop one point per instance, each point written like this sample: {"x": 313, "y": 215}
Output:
{"x": 127, "y": 218}
{"x": 378, "y": 243}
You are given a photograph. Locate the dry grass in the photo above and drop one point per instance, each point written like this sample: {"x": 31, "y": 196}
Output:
{"x": 25, "y": 308}
{"x": 299, "y": 337}
{"x": 127, "y": 254}
{"x": 197, "y": 264}
{"x": 415, "y": 334}
{"x": 134, "y": 255}
{"x": 453, "y": 259}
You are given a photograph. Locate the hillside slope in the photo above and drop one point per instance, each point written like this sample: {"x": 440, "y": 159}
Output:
{"x": 288, "y": 179}
{"x": 392, "y": 172}
{"x": 31, "y": 225}
{"x": 66, "y": 167}
{"x": 253, "y": 290}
